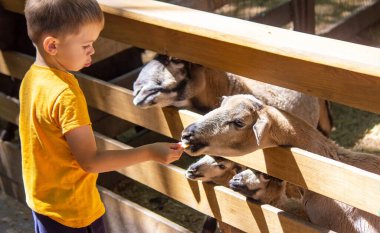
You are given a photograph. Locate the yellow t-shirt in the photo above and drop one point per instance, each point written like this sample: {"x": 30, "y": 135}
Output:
{"x": 51, "y": 104}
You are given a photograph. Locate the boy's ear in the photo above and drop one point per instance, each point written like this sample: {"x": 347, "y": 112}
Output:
{"x": 50, "y": 45}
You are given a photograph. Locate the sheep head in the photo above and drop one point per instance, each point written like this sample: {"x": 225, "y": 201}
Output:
{"x": 167, "y": 81}
{"x": 212, "y": 169}
{"x": 237, "y": 127}
{"x": 256, "y": 185}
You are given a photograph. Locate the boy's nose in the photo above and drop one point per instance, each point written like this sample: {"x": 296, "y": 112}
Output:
{"x": 91, "y": 51}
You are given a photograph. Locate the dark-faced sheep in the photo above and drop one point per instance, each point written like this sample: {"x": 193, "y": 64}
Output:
{"x": 167, "y": 81}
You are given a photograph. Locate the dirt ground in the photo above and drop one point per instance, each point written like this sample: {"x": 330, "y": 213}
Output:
{"x": 14, "y": 216}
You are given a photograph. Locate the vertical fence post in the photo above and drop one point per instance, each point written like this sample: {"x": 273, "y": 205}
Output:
{"x": 303, "y": 15}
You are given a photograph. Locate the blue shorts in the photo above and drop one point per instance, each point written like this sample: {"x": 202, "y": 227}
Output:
{"x": 44, "y": 224}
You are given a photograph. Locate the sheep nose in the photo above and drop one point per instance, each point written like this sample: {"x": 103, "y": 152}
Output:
{"x": 191, "y": 171}
{"x": 236, "y": 179}
{"x": 188, "y": 131}
{"x": 193, "y": 168}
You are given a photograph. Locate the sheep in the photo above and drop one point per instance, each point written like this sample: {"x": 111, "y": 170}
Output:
{"x": 224, "y": 172}
{"x": 268, "y": 190}
{"x": 213, "y": 169}
{"x": 249, "y": 125}
{"x": 220, "y": 170}
{"x": 167, "y": 81}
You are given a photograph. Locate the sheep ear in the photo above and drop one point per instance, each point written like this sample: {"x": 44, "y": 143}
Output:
{"x": 259, "y": 129}
{"x": 223, "y": 99}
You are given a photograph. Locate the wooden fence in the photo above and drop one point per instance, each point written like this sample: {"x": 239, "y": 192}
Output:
{"x": 335, "y": 70}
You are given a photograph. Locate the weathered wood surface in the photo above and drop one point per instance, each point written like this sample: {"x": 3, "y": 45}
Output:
{"x": 303, "y": 15}
{"x": 10, "y": 170}
{"x": 123, "y": 216}
{"x": 10, "y": 161}
{"x": 220, "y": 202}
{"x": 331, "y": 69}
{"x": 203, "y": 5}
{"x": 9, "y": 108}
{"x": 314, "y": 65}
{"x": 217, "y": 201}
{"x": 300, "y": 165}
{"x": 278, "y": 16}
{"x": 358, "y": 21}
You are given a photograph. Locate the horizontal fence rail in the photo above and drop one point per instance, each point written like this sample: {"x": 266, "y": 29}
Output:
{"x": 327, "y": 68}
{"x": 296, "y": 166}
{"x": 219, "y": 202}
{"x": 323, "y": 67}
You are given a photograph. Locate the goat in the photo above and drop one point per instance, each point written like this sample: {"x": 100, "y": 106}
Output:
{"x": 244, "y": 124}
{"x": 167, "y": 81}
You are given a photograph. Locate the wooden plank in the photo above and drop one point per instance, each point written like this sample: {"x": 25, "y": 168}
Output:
{"x": 356, "y": 22}
{"x": 15, "y": 64}
{"x": 108, "y": 124}
{"x": 12, "y": 188}
{"x": 112, "y": 99}
{"x": 127, "y": 79}
{"x": 317, "y": 66}
{"x": 123, "y": 215}
{"x": 330, "y": 69}
{"x": 105, "y": 48}
{"x": 10, "y": 161}
{"x": 303, "y": 15}
{"x": 9, "y": 108}
{"x": 170, "y": 122}
{"x": 319, "y": 174}
{"x": 278, "y": 16}
{"x": 99, "y": 94}
{"x": 203, "y": 5}
{"x": 219, "y": 202}
{"x": 15, "y": 6}
{"x": 10, "y": 170}
{"x": 313, "y": 171}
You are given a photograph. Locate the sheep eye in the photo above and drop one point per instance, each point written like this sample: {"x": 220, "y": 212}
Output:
{"x": 176, "y": 60}
{"x": 238, "y": 123}
{"x": 221, "y": 166}
{"x": 266, "y": 176}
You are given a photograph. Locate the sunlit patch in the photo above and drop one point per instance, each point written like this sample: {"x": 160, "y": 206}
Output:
{"x": 184, "y": 145}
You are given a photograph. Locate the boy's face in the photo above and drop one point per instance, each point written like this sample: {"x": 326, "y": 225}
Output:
{"x": 74, "y": 51}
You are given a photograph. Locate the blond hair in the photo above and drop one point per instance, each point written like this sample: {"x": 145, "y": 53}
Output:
{"x": 60, "y": 17}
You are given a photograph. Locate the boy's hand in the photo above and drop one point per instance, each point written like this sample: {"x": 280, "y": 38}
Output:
{"x": 165, "y": 152}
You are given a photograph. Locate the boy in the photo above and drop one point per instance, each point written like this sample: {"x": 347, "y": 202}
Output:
{"x": 59, "y": 155}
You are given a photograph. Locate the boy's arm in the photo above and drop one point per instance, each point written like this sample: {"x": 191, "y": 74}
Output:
{"x": 82, "y": 144}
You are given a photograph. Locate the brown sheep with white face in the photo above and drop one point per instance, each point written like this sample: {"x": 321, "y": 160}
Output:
{"x": 244, "y": 124}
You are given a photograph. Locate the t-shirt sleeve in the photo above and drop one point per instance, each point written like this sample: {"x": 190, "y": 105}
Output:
{"x": 70, "y": 110}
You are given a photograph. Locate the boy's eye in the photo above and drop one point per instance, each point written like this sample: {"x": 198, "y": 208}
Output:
{"x": 86, "y": 46}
